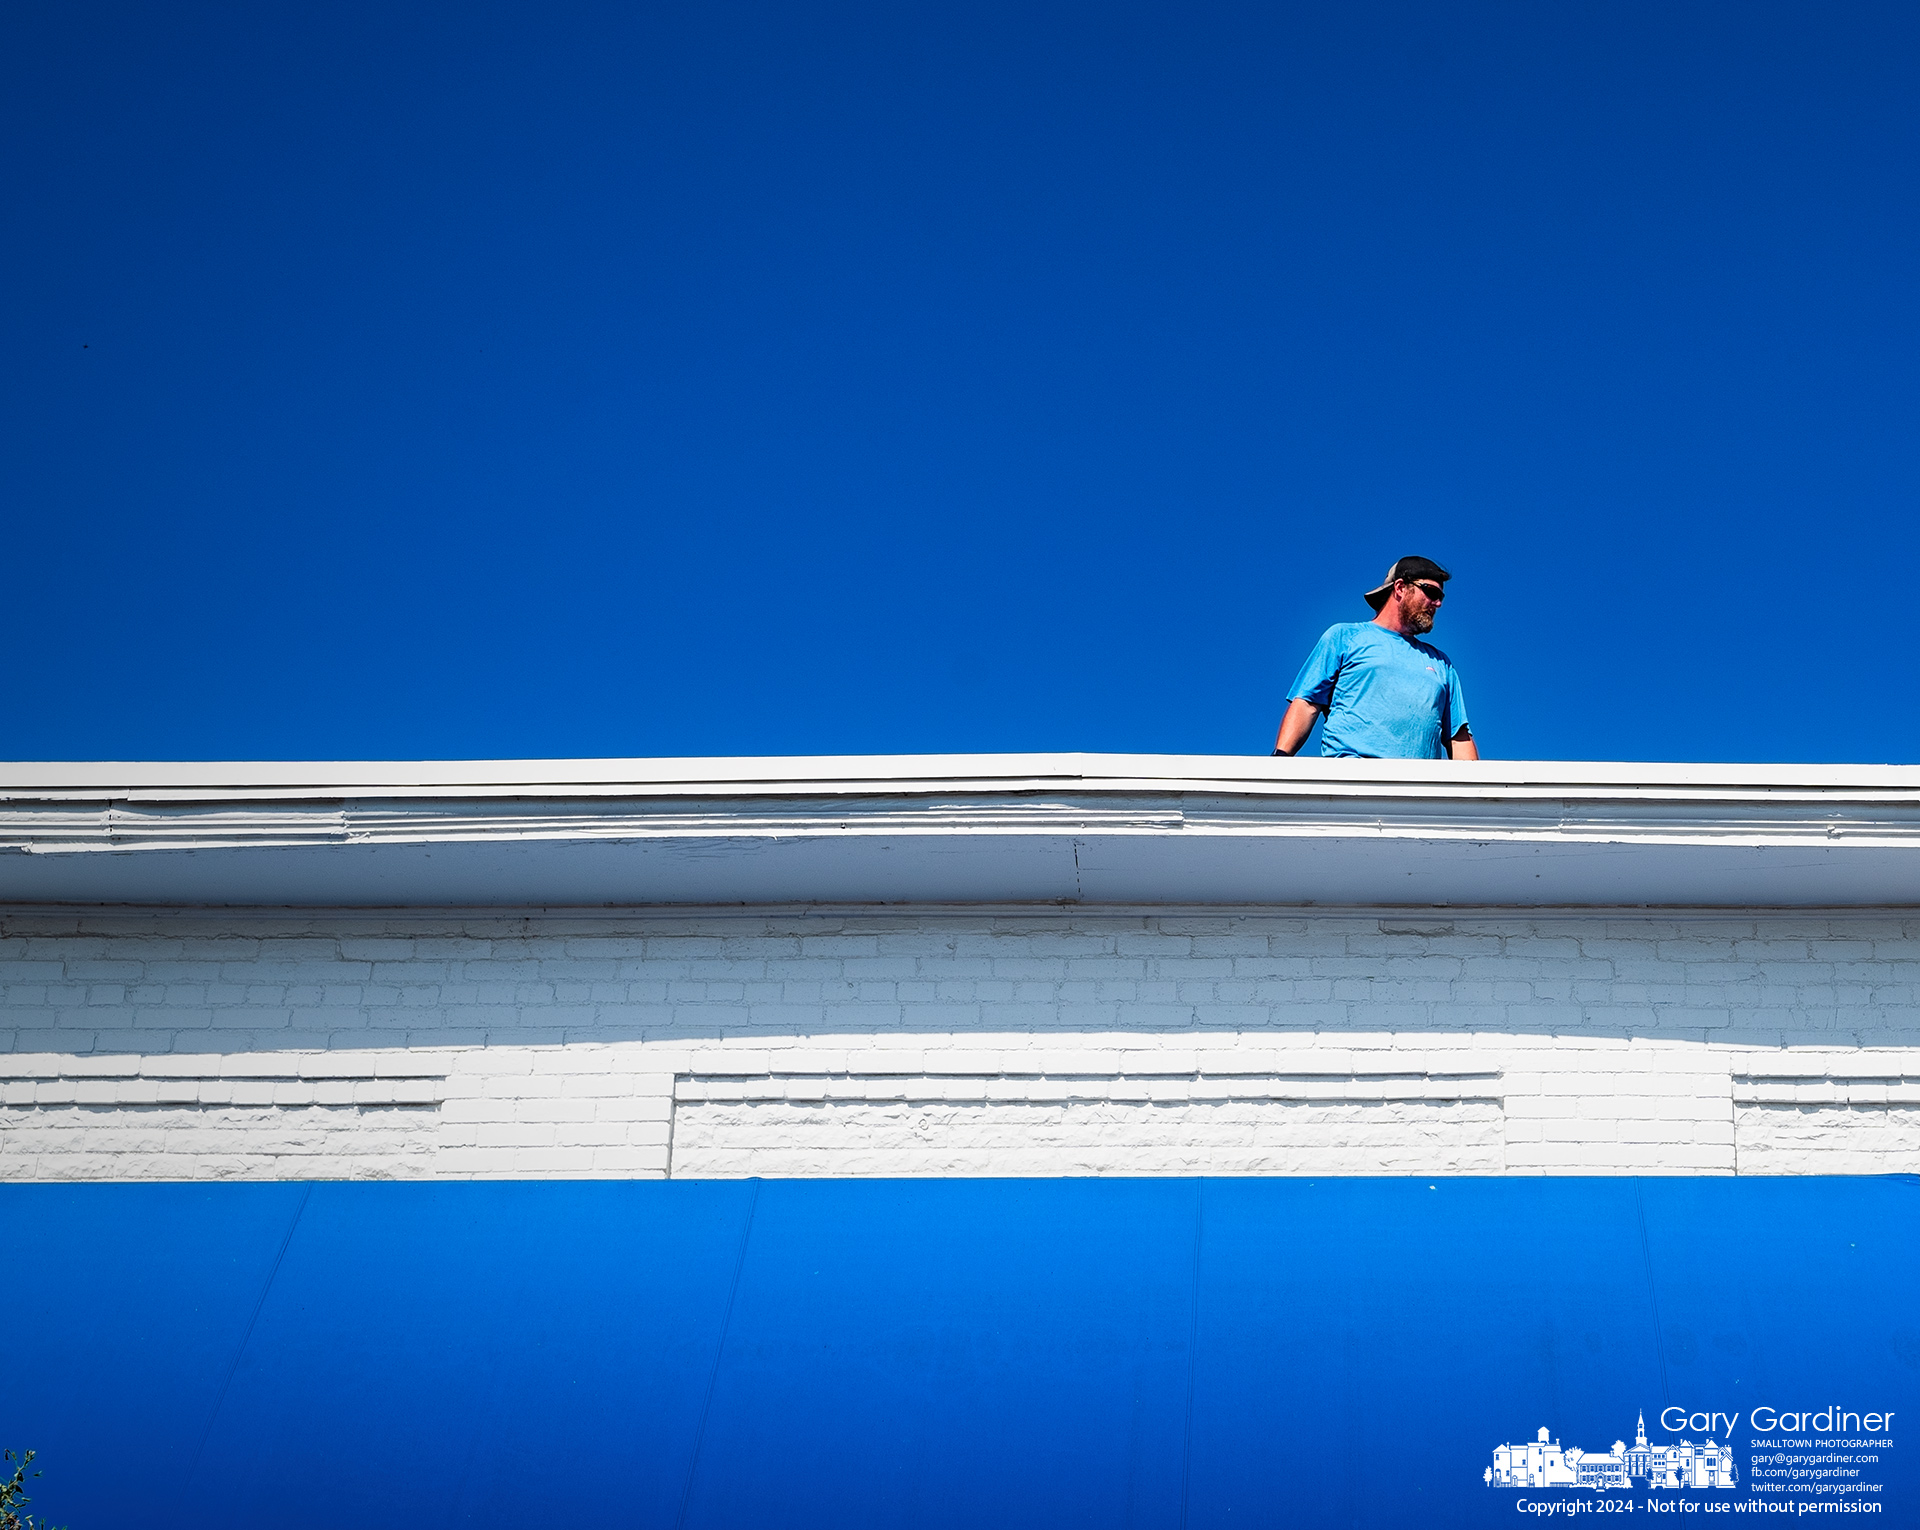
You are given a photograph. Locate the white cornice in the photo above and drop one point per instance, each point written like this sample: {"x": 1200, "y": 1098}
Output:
{"x": 1109, "y": 829}
{"x": 834, "y": 774}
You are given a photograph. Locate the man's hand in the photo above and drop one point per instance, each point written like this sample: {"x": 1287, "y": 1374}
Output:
{"x": 1296, "y": 725}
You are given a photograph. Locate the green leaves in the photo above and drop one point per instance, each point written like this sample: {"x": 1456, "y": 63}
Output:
{"x": 13, "y": 1495}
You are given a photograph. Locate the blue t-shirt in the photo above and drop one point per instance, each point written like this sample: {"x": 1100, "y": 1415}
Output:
{"x": 1387, "y": 697}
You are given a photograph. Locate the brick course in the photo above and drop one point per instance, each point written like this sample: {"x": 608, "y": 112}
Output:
{"x": 204, "y": 1044}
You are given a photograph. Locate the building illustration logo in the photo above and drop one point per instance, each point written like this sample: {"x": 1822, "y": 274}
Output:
{"x": 1544, "y": 1463}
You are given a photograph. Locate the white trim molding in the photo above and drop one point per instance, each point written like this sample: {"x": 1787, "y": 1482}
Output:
{"x": 1084, "y": 829}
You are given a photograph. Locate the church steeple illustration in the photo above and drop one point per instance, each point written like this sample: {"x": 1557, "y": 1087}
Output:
{"x": 1640, "y": 1458}
{"x": 1678, "y": 1464}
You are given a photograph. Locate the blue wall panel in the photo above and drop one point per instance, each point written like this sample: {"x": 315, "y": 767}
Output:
{"x": 958, "y": 1352}
{"x": 931, "y": 1353}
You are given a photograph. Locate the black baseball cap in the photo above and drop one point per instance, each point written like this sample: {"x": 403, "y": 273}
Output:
{"x": 1406, "y": 568}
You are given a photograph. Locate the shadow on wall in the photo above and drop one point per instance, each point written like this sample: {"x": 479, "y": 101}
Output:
{"x": 196, "y": 982}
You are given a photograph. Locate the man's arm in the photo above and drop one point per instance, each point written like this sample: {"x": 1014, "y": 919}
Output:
{"x": 1464, "y": 747}
{"x": 1296, "y": 725}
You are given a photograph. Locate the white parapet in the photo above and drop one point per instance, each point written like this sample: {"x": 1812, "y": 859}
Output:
{"x": 1009, "y": 965}
{"x": 1126, "y": 829}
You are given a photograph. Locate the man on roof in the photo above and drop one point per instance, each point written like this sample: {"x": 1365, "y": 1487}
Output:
{"x": 1385, "y": 694}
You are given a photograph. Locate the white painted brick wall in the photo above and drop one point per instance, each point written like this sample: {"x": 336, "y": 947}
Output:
{"x": 1083, "y": 1137}
{"x": 270, "y": 1045}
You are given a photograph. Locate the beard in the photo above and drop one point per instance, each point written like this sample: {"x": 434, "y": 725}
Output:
{"x": 1420, "y": 621}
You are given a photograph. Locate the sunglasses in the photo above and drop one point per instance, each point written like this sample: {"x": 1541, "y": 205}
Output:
{"x": 1433, "y": 592}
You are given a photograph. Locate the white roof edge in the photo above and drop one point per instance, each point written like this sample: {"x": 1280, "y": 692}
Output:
{"x": 994, "y": 828}
{"x": 835, "y": 773}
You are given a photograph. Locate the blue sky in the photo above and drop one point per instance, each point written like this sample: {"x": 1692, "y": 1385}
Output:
{"x": 405, "y": 381}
